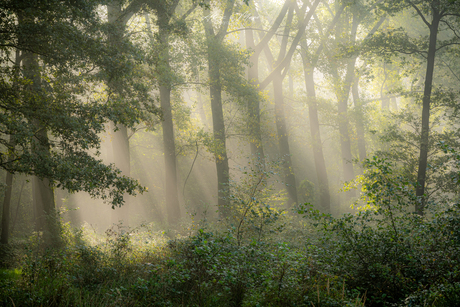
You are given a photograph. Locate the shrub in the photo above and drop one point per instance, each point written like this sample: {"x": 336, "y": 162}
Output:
{"x": 385, "y": 250}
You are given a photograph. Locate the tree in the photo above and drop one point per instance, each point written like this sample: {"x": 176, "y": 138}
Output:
{"x": 436, "y": 15}
{"x": 214, "y": 41}
{"x": 309, "y": 64}
{"x": 277, "y": 74}
{"x": 167, "y": 25}
{"x": 50, "y": 119}
{"x": 253, "y": 77}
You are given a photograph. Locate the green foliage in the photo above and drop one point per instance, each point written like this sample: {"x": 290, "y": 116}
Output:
{"x": 255, "y": 210}
{"x": 55, "y": 58}
{"x": 385, "y": 250}
{"x": 141, "y": 268}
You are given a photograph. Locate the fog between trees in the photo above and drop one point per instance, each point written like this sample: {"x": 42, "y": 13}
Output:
{"x": 229, "y": 153}
{"x": 179, "y": 110}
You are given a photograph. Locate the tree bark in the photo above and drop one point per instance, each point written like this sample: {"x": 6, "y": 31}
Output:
{"x": 43, "y": 193}
{"x": 283, "y": 139}
{"x": 214, "y": 44}
{"x": 171, "y": 186}
{"x": 280, "y": 118}
{"x": 120, "y": 140}
{"x": 320, "y": 164}
{"x": 6, "y": 207}
{"x": 343, "y": 93}
{"x": 6, "y": 216}
{"x": 255, "y": 132}
{"x": 218, "y": 125}
{"x": 359, "y": 120}
{"x": 121, "y": 159}
{"x": 425, "y": 130}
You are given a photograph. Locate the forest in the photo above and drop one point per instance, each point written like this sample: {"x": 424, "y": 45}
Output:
{"x": 230, "y": 153}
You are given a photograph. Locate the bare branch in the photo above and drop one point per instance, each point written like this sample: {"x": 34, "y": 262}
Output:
{"x": 264, "y": 41}
{"x": 420, "y": 14}
{"x": 190, "y": 10}
{"x": 451, "y": 28}
{"x": 284, "y": 64}
{"x": 225, "y": 19}
{"x": 448, "y": 44}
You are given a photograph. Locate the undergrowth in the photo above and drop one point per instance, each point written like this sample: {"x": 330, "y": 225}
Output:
{"x": 381, "y": 255}
{"x": 140, "y": 267}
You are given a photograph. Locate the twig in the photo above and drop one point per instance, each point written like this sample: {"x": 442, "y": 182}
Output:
{"x": 191, "y": 168}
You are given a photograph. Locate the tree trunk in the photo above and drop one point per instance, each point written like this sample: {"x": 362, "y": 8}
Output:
{"x": 218, "y": 125}
{"x": 320, "y": 164}
{"x": 283, "y": 140}
{"x": 359, "y": 120}
{"x": 46, "y": 218}
{"x": 280, "y": 118}
{"x": 43, "y": 193}
{"x": 121, "y": 159}
{"x": 424, "y": 138}
{"x": 343, "y": 93}
{"x": 171, "y": 191}
{"x": 214, "y": 44}
{"x": 6, "y": 208}
{"x": 120, "y": 140}
{"x": 345, "y": 142}
{"x": 171, "y": 187}
{"x": 255, "y": 133}
{"x": 6, "y": 217}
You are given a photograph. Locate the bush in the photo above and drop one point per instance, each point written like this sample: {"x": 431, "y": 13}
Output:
{"x": 386, "y": 251}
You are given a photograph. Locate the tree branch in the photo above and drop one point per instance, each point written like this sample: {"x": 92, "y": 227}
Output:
{"x": 284, "y": 64}
{"x": 190, "y": 10}
{"x": 420, "y": 14}
{"x": 264, "y": 41}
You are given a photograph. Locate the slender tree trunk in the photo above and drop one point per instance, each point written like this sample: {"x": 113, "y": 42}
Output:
{"x": 343, "y": 93}
{"x": 171, "y": 186}
{"x": 218, "y": 125}
{"x": 283, "y": 139}
{"x": 171, "y": 190}
{"x": 255, "y": 131}
{"x": 121, "y": 159}
{"x": 17, "y": 207}
{"x": 6, "y": 206}
{"x": 120, "y": 140}
{"x": 424, "y": 138}
{"x": 214, "y": 45}
{"x": 359, "y": 120}
{"x": 320, "y": 164}
{"x": 9, "y": 176}
{"x": 280, "y": 118}
{"x": 345, "y": 142}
